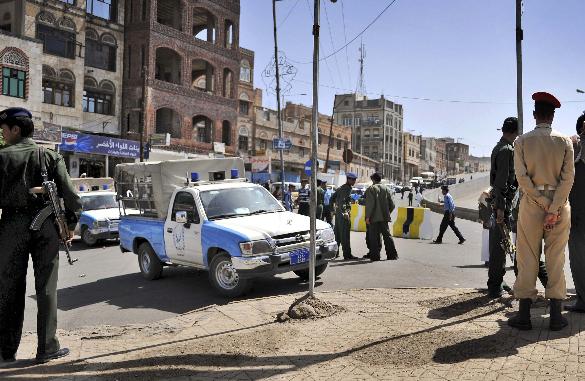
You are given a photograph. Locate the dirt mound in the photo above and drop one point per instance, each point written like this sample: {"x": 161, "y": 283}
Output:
{"x": 309, "y": 308}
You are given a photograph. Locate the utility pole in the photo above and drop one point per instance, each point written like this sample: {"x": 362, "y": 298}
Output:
{"x": 280, "y": 132}
{"x": 519, "y": 38}
{"x": 361, "y": 90}
{"x": 143, "y": 124}
{"x": 314, "y": 148}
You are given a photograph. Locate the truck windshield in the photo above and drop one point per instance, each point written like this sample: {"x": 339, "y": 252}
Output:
{"x": 224, "y": 203}
{"x": 102, "y": 201}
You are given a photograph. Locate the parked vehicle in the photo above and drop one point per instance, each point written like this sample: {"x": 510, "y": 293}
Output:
{"x": 215, "y": 221}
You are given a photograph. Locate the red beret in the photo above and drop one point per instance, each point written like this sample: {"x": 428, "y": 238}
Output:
{"x": 545, "y": 97}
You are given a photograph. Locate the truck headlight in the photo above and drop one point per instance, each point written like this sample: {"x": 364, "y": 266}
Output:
{"x": 326, "y": 235}
{"x": 101, "y": 224}
{"x": 253, "y": 248}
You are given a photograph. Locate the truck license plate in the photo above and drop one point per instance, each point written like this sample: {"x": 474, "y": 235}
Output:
{"x": 299, "y": 256}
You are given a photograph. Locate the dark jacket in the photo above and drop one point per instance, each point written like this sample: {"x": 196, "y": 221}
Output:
{"x": 20, "y": 170}
{"x": 502, "y": 175}
{"x": 379, "y": 203}
{"x": 341, "y": 199}
{"x": 577, "y": 196}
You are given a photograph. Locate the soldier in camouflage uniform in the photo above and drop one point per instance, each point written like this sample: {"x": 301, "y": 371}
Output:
{"x": 20, "y": 170}
{"x": 341, "y": 201}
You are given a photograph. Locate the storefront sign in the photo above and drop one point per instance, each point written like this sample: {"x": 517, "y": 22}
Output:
{"x": 102, "y": 145}
{"x": 260, "y": 164}
{"x": 47, "y": 133}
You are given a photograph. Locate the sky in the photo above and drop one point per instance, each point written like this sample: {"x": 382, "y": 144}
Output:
{"x": 460, "y": 55}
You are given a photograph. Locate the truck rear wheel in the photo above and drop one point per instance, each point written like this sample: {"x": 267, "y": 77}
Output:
{"x": 225, "y": 278}
{"x": 304, "y": 274}
{"x": 150, "y": 266}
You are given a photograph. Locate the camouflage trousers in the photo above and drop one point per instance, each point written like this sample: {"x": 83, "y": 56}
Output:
{"x": 17, "y": 242}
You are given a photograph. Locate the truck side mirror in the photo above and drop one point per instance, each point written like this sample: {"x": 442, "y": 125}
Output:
{"x": 181, "y": 217}
{"x": 196, "y": 219}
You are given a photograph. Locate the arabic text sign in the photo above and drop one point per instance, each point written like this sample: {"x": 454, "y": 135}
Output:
{"x": 78, "y": 142}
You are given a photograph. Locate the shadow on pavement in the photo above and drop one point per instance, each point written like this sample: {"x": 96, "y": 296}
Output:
{"x": 506, "y": 342}
{"x": 180, "y": 290}
{"x": 463, "y": 304}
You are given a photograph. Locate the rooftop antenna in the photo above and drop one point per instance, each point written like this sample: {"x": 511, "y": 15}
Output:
{"x": 361, "y": 86}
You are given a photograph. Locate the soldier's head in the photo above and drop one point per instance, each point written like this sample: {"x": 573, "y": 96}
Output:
{"x": 16, "y": 123}
{"x": 510, "y": 128}
{"x": 581, "y": 124}
{"x": 376, "y": 177}
{"x": 351, "y": 178}
{"x": 544, "y": 107}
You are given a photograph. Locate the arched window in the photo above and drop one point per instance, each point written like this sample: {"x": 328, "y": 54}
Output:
{"x": 58, "y": 89}
{"x": 202, "y": 76}
{"x": 204, "y": 25}
{"x": 168, "y": 121}
{"x": 226, "y": 133}
{"x": 203, "y": 129}
{"x": 58, "y": 38}
{"x": 229, "y": 34}
{"x": 98, "y": 100}
{"x": 14, "y": 67}
{"x": 263, "y": 140}
{"x": 169, "y": 13}
{"x": 243, "y": 139}
{"x": 168, "y": 66}
{"x": 245, "y": 71}
{"x": 100, "y": 54}
{"x": 228, "y": 83}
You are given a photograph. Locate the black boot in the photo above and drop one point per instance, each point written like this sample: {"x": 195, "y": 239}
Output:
{"x": 557, "y": 321}
{"x": 521, "y": 320}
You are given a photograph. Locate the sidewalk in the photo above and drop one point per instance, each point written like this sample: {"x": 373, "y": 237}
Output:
{"x": 385, "y": 334}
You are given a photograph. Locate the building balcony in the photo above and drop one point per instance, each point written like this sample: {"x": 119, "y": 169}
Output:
{"x": 198, "y": 95}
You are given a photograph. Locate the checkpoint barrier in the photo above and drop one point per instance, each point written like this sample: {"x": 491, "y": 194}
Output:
{"x": 358, "y": 218}
{"x": 414, "y": 223}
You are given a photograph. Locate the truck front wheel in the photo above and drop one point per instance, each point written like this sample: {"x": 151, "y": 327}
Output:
{"x": 225, "y": 278}
{"x": 88, "y": 238}
{"x": 304, "y": 274}
{"x": 150, "y": 266}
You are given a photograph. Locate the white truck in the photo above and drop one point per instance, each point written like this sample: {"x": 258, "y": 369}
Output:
{"x": 204, "y": 214}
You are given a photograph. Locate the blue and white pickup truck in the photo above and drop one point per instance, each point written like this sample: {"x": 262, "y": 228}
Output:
{"x": 234, "y": 229}
{"x": 99, "y": 217}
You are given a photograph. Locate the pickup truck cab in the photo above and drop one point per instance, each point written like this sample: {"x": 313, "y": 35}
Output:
{"x": 235, "y": 230}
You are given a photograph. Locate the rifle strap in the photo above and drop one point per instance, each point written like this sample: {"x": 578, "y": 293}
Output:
{"x": 42, "y": 161}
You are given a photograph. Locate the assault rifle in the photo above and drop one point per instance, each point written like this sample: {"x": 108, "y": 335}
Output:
{"x": 54, "y": 207}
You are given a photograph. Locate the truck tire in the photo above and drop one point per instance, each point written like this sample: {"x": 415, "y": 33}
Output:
{"x": 225, "y": 278}
{"x": 304, "y": 274}
{"x": 150, "y": 266}
{"x": 88, "y": 238}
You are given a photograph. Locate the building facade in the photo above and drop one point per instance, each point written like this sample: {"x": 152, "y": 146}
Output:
{"x": 457, "y": 157}
{"x": 183, "y": 58}
{"x": 412, "y": 162}
{"x": 376, "y": 126}
{"x": 63, "y": 60}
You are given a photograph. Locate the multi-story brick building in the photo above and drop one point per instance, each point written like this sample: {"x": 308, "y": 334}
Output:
{"x": 376, "y": 126}
{"x": 191, "y": 56}
{"x": 441, "y": 157}
{"x": 457, "y": 157}
{"x": 62, "y": 59}
{"x": 248, "y": 99}
{"x": 411, "y": 155}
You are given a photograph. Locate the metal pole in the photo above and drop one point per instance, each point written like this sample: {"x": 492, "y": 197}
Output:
{"x": 519, "y": 38}
{"x": 142, "y": 125}
{"x": 314, "y": 145}
{"x": 280, "y": 133}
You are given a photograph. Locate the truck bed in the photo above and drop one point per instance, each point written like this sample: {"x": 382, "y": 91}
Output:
{"x": 139, "y": 228}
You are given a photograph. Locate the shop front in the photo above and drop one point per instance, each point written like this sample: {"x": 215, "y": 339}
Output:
{"x": 95, "y": 155}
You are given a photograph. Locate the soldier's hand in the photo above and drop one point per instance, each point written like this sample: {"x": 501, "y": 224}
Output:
{"x": 500, "y": 216}
{"x": 367, "y": 221}
{"x": 70, "y": 238}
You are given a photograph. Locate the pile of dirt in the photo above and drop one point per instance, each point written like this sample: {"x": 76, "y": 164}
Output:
{"x": 309, "y": 308}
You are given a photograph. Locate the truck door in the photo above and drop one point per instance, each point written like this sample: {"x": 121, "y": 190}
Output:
{"x": 183, "y": 230}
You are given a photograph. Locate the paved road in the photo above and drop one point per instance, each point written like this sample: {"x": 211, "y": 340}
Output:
{"x": 105, "y": 286}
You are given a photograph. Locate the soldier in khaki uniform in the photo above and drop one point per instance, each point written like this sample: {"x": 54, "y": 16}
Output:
{"x": 545, "y": 170}
{"x": 379, "y": 205}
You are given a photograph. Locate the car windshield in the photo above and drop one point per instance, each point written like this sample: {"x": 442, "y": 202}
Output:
{"x": 231, "y": 202}
{"x": 101, "y": 201}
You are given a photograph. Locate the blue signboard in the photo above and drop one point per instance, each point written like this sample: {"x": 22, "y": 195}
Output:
{"x": 101, "y": 145}
{"x": 281, "y": 144}
{"x": 308, "y": 170}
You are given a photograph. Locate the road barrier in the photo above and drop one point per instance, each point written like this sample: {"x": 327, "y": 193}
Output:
{"x": 358, "y": 218}
{"x": 414, "y": 223}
